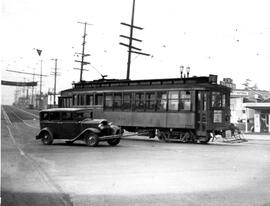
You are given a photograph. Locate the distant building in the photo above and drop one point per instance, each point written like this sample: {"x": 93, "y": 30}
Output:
{"x": 251, "y": 109}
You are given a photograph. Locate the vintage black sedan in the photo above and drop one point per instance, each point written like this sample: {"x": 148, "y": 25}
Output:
{"x": 74, "y": 124}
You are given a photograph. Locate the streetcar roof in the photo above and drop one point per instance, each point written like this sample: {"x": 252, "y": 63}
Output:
{"x": 190, "y": 82}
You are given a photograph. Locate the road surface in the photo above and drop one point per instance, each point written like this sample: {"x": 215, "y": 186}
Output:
{"x": 139, "y": 171}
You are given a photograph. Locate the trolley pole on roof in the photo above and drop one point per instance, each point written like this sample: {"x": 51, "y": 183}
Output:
{"x": 83, "y": 50}
{"x": 130, "y": 46}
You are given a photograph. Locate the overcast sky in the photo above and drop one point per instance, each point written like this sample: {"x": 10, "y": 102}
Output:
{"x": 229, "y": 38}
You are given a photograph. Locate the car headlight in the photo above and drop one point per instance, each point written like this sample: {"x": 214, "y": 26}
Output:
{"x": 101, "y": 126}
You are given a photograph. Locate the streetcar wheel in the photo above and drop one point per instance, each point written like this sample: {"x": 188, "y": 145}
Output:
{"x": 163, "y": 136}
{"x": 91, "y": 140}
{"x": 113, "y": 142}
{"x": 46, "y": 138}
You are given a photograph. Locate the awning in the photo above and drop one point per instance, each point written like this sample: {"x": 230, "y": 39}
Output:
{"x": 262, "y": 106}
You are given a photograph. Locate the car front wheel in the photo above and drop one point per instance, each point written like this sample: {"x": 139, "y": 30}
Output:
{"x": 46, "y": 138}
{"x": 91, "y": 140}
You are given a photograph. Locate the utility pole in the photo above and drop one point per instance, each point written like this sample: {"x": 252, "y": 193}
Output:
{"x": 55, "y": 73}
{"x": 82, "y": 62}
{"x": 40, "y": 86}
{"x": 32, "y": 99}
{"x": 39, "y": 51}
{"x": 130, "y": 46}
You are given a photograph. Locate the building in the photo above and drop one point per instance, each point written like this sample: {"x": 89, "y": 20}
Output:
{"x": 250, "y": 110}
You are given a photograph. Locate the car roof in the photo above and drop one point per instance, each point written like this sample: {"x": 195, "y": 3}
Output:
{"x": 64, "y": 109}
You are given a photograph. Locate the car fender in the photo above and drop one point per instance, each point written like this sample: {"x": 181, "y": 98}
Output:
{"x": 45, "y": 129}
{"x": 81, "y": 135}
{"x": 116, "y": 129}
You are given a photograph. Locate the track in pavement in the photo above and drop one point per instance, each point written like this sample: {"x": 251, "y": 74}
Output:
{"x": 18, "y": 115}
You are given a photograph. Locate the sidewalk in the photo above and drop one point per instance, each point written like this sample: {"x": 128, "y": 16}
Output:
{"x": 259, "y": 136}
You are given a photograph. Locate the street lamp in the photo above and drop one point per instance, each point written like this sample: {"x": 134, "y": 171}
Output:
{"x": 181, "y": 71}
{"x": 188, "y": 70}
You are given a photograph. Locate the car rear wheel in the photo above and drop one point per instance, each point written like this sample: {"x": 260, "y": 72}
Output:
{"x": 113, "y": 142}
{"x": 46, "y": 138}
{"x": 91, "y": 140}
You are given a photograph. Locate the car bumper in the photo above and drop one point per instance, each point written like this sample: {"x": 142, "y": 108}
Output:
{"x": 105, "y": 138}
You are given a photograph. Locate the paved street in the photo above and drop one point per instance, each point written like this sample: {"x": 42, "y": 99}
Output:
{"x": 139, "y": 171}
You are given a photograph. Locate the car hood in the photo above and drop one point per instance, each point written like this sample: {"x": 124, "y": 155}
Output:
{"x": 93, "y": 121}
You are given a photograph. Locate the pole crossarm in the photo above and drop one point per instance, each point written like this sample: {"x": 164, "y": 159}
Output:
{"x": 84, "y": 63}
{"x": 135, "y": 27}
{"x": 85, "y": 23}
{"x": 80, "y": 69}
{"x": 145, "y": 54}
{"x": 84, "y": 54}
{"x": 130, "y": 46}
{"x": 127, "y": 37}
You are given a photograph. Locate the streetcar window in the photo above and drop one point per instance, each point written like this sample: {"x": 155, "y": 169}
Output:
{"x": 126, "y": 101}
{"x": 89, "y": 99}
{"x": 54, "y": 116}
{"x": 185, "y": 100}
{"x": 80, "y": 99}
{"x": 108, "y": 101}
{"x": 44, "y": 116}
{"x": 74, "y": 99}
{"x": 98, "y": 99}
{"x": 150, "y": 101}
{"x": 161, "y": 101}
{"x": 173, "y": 101}
{"x": 117, "y": 101}
{"x": 216, "y": 99}
{"x": 66, "y": 116}
{"x": 224, "y": 100}
{"x": 139, "y": 101}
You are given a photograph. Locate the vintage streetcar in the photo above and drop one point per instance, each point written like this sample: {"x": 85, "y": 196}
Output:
{"x": 75, "y": 124}
{"x": 185, "y": 109}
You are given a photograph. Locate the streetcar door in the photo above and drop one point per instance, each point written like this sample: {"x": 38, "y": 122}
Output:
{"x": 201, "y": 112}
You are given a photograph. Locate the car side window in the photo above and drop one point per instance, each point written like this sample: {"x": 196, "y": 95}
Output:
{"x": 44, "y": 116}
{"x": 55, "y": 116}
{"x": 66, "y": 116}
{"x": 84, "y": 115}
